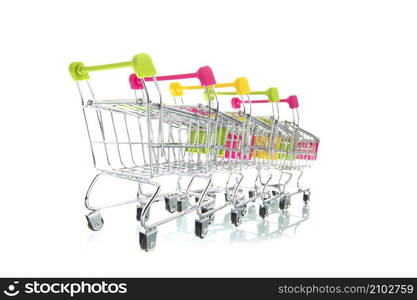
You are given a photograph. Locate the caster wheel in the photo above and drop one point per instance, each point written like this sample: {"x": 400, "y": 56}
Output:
{"x": 236, "y": 218}
{"x": 95, "y": 228}
{"x": 251, "y": 194}
{"x": 147, "y": 239}
{"x": 139, "y": 213}
{"x": 306, "y": 197}
{"x": 171, "y": 204}
{"x": 94, "y": 221}
{"x": 96, "y": 224}
{"x": 284, "y": 203}
{"x": 263, "y": 211}
{"x": 201, "y": 228}
{"x": 274, "y": 193}
{"x": 182, "y": 204}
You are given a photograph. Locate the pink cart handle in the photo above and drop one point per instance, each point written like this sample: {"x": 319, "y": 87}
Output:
{"x": 291, "y": 100}
{"x": 204, "y": 75}
{"x": 135, "y": 82}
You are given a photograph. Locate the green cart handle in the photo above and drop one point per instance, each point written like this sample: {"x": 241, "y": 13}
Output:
{"x": 141, "y": 63}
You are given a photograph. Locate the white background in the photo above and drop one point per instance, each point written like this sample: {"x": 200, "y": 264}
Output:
{"x": 353, "y": 65}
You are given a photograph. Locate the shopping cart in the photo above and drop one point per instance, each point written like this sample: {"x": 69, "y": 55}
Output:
{"x": 139, "y": 140}
{"x": 287, "y": 149}
{"x": 222, "y": 154}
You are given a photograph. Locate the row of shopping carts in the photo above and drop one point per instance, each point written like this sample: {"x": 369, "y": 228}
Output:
{"x": 145, "y": 138}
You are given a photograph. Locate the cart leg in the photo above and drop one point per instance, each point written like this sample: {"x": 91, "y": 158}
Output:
{"x": 207, "y": 209}
{"x": 147, "y": 239}
{"x": 226, "y": 197}
{"x": 87, "y": 194}
{"x": 139, "y": 210}
{"x": 94, "y": 220}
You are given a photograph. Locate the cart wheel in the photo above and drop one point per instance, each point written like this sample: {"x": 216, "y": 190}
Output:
{"x": 263, "y": 211}
{"x": 284, "y": 203}
{"x": 274, "y": 193}
{"x": 94, "y": 221}
{"x": 201, "y": 228}
{"x": 147, "y": 239}
{"x": 251, "y": 194}
{"x": 236, "y": 218}
{"x": 182, "y": 203}
{"x": 306, "y": 196}
{"x": 171, "y": 204}
{"x": 139, "y": 213}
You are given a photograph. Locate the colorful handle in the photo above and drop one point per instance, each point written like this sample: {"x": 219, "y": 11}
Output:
{"x": 272, "y": 94}
{"x": 204, "y": 75}
{"x": 141, "y": 63}
{"x": 241, "y": 86}
{"x": 291, "y": 100}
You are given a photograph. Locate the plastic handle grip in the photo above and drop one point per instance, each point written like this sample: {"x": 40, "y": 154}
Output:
{"x": 135, "y": 82}
{"x": 141, "y": 63}
{"x": 204, "y": 75}
{"x": 272, "y": 94}
{"x": 291, "y": 100}
{"x": 241, "y": 86}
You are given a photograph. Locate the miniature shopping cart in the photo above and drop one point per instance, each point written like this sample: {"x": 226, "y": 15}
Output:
{"x": 287, "y": 148}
